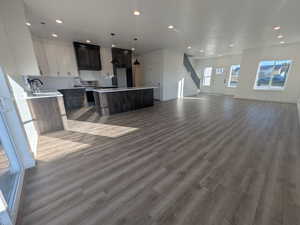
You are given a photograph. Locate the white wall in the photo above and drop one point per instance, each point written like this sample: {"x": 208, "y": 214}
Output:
{"x": 164, "y": 68}
{"x": 249, "y": 61}
{"x": 249, "y": 67}
{"x": 152, "y": 67}
{"x": 220, "y": 62}
{"x": 55, "y": 83}
{"x": 175, "y": 75}
{"x": 16, "y": 56}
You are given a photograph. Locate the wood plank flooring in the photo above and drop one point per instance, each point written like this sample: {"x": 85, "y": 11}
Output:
{"x": 205, "y": 160}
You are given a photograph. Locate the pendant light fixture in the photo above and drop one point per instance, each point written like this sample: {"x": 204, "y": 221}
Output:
{"x": 136, "y": 62}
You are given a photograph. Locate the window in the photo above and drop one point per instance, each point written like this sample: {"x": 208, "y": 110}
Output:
{"x": 272, "y": 74}
{"x": 234, "y": 75}
{"x": 207, "y": 76}
{"x": 220, "y": 70}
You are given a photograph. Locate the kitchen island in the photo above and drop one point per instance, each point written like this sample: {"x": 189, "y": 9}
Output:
{"x": 117, "y": 100}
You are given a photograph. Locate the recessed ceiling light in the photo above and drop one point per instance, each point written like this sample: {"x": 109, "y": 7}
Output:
{"x": 88, "y": 41}
{"x": 28, "y": 24}
{"x": 231, "y": 45}
{"x": 113, "y": 45}
{"x": 280, "y": 36}
{"x": 282, "y": 42}
{"x": 136, "y": 13}
{"x": 189, "y": 47}
{"x": 276, "y": 28}
{"x": 201, "y": 51}
{"x": 171, "y": 27}
{"x": 58, "y": 21}
{"x": 54, "y": 35}
{"x": 132, "y": 49}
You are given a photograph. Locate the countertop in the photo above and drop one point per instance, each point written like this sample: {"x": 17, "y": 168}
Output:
{"x": 54, "y": 94}
{"x": 43, "y": 95}
{"x": 121, "y": 89}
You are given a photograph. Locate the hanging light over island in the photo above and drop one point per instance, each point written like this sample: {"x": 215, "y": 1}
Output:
{"x": 136, "y": 62}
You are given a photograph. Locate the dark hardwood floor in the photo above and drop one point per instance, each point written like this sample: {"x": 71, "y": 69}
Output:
{"x": 207, "y": 160}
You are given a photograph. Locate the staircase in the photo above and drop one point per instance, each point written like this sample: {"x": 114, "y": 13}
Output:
{"x": 189, "y": 67}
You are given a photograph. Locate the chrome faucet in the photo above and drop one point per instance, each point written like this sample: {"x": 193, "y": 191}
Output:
{"x": 35, "y": 84}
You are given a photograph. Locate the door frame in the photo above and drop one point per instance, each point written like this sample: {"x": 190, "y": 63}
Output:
{"x": 219, "y": 79}
{"x": 9, "y": 210}
{"x": 16, "y": 147}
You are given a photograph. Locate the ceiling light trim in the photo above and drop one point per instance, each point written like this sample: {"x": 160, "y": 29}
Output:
{"x": 136, "y": 13}
{"x": 59, "y": 21}
{"x": 276, "y": 28}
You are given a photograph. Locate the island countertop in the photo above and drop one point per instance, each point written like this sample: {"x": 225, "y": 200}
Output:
{"x": 108, "y": 90}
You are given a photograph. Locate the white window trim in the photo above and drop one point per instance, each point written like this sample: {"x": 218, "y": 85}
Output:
{"x": 270, "y": 88}
{"x": 264, "y": 88}
{"x": 230, "y": 74}
{"x": 220, "y": 70}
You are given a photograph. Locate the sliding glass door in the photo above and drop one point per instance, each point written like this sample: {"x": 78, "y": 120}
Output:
{"x": 10, "y": 167}
{"x": 15, "y": 154}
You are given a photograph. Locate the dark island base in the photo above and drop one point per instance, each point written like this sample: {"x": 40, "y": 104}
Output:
{"x": 74, "y": 98}
{"x": 109, "y": 103}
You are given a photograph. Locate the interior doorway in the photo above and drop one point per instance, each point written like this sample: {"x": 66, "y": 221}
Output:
{"x": 219, "y": 83}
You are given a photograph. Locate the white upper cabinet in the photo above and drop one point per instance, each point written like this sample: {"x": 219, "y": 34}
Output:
{"x": 41, "y": 56}
{"x": 52, "y": 55}
{"x": 56, "y": 58}
{"x": 70, "y": 65}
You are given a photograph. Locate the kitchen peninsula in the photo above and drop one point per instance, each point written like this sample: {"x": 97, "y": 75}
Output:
{"x": 117, "y": 100}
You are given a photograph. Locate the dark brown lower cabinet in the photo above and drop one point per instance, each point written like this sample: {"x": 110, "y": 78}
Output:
{"x": 74, "y": 98}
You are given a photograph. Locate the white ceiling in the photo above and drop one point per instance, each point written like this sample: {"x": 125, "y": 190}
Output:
{"x": 211, "y": 25}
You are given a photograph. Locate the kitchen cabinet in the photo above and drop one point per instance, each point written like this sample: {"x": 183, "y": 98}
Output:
{"x": 137, "y": 76}
{"x": 67, "y": 65}
{"x": 123, "y": 57}
{"x": 48, "y": 114}
{"x": 55, "y": 58}
{"x": 74, "y": 98}
{"x": 41, "y": 56}
{"x": 108, "y": 102}
{"x": 52, "y": 54}
{"x": 87, "y": 56}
